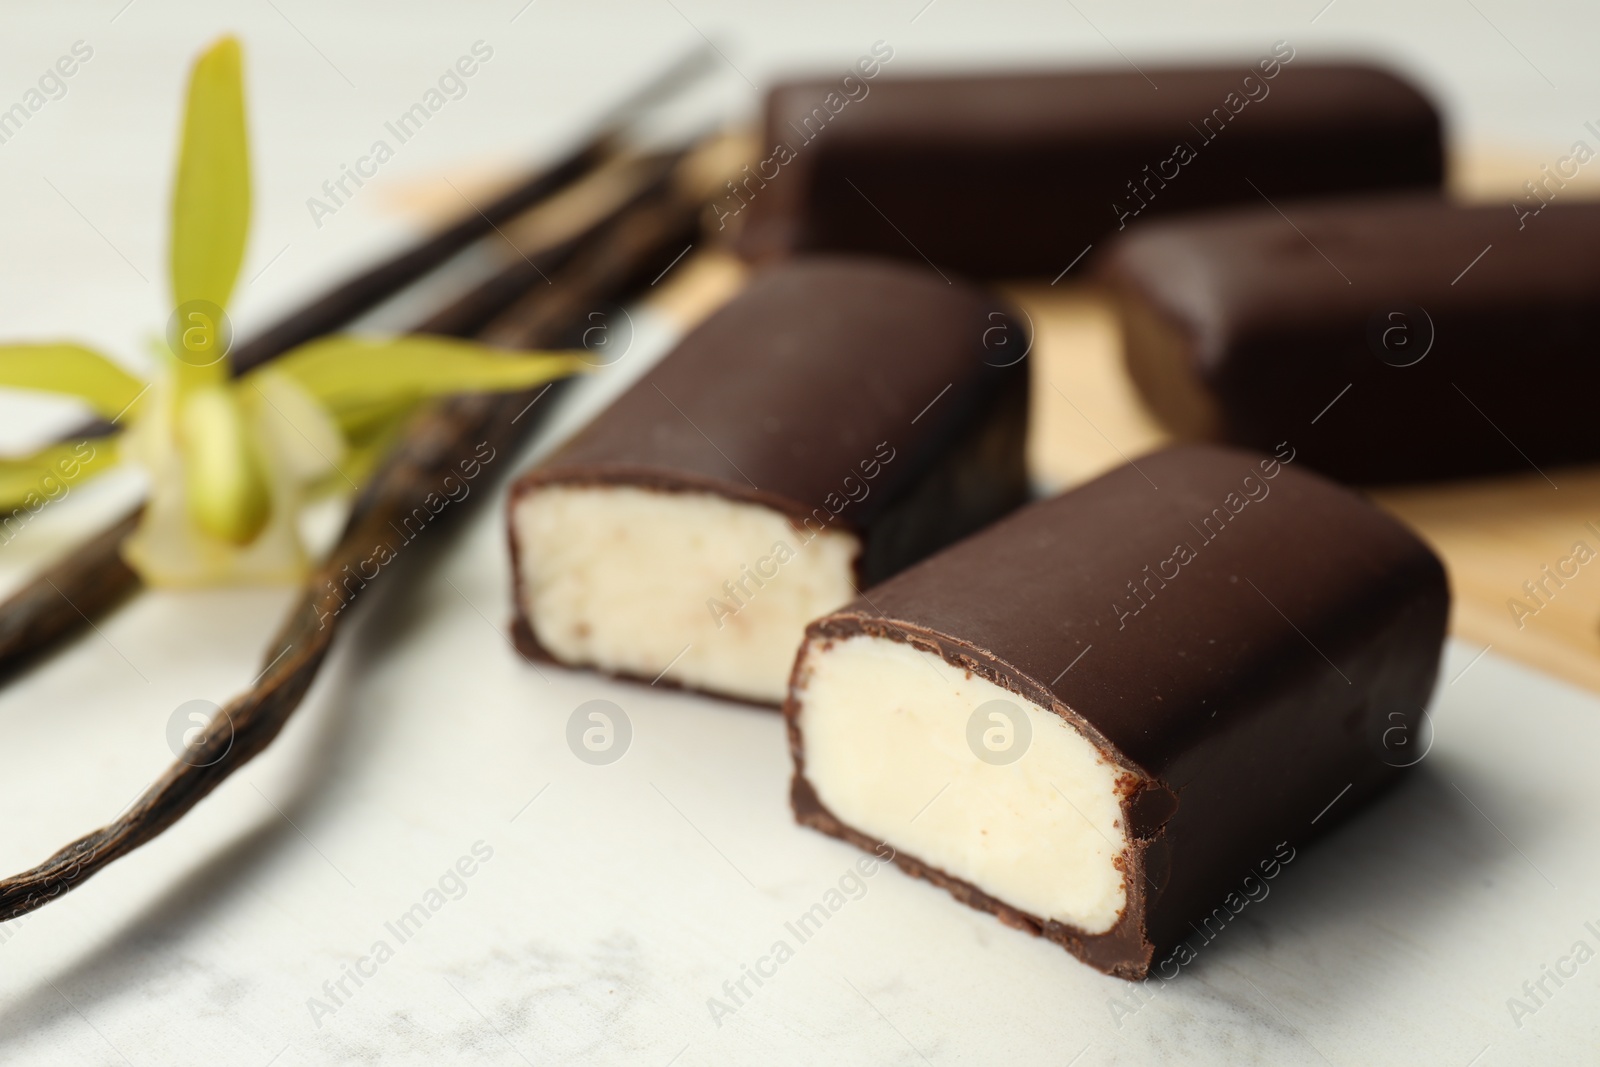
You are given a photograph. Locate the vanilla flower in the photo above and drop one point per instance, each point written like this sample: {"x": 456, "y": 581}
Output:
{"x": 231, "y": 461}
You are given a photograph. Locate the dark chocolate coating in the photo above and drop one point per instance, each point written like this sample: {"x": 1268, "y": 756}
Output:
{"x": 801, "y": 385}
{"x": 1253, "y": 685}
{"x": 1015, "y": 174}
{"x": 1238, "y": 329}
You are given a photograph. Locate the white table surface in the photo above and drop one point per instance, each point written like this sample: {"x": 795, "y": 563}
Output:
{"x": 619, "y": 898}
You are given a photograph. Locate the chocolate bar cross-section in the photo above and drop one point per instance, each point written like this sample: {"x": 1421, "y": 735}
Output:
{"x": 1100, "y": 716}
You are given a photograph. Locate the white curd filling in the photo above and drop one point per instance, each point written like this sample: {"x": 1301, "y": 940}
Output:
{"x": 1012, "y": 799}
{"x": 714, "y": 592}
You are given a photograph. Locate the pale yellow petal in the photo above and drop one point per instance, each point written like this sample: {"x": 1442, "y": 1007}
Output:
{"x": 47, "y": 474}
{"x": 211, "y": 196}
{"x": 302, "y": 437}
{"x": 71, "y": 370}
{"x": 347, "y": 373}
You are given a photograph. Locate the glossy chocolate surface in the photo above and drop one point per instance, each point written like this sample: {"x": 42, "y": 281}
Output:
{"x": 1016, "y": 174}
{"x": 1455, "y": 339}
{"x": 1244, "y": 683}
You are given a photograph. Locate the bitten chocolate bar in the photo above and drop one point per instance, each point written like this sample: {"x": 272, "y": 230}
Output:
{"x": 837, "y": 421}
{"x": 1393, "y": 339}
{"x": 1017, "y": 174}
{"x": 1096, "y": 717}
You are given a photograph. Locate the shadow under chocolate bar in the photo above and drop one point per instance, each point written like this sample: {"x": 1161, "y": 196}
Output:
{"x": 838, "y": 420}
{"x": 998, "y": 175}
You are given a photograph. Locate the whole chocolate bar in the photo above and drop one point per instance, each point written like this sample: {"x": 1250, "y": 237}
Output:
{"x": 1095, "y": 718}
{"x": 1394, "y": 339}
{"x": 835, "y": 422}
{"x": 1016, "y": 174}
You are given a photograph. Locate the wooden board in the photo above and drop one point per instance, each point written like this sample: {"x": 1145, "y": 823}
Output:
{"x": 1493, "y": 535}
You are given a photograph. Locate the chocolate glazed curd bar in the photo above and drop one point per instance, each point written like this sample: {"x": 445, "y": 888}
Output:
{"x": 835, "y": 422}
{"x": 1096, "y": 717}
{"x": 1003, "y": 175}
{"x": 1396, "y": 339}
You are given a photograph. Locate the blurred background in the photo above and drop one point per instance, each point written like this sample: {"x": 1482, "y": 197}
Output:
{"x": 1514, "y": 81}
